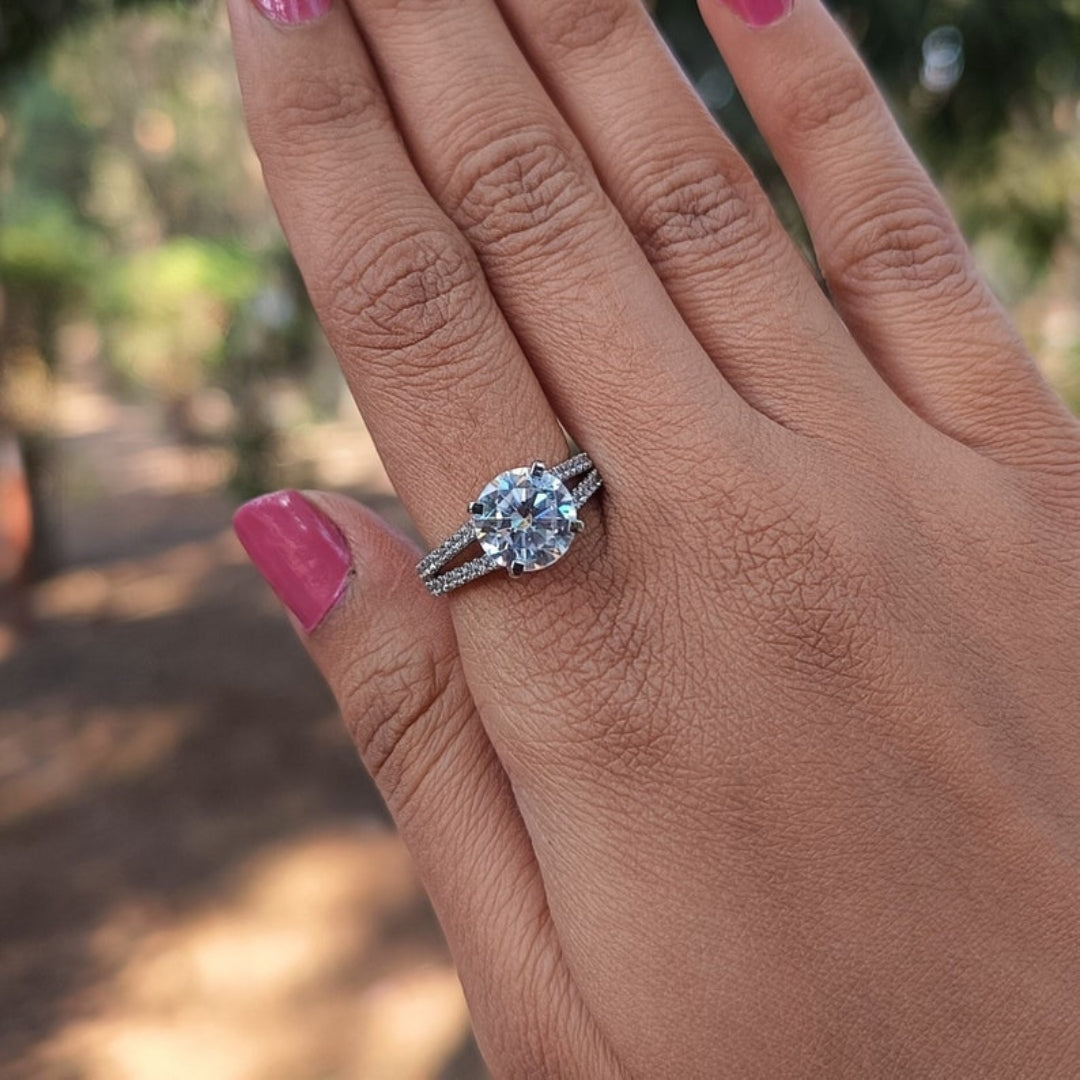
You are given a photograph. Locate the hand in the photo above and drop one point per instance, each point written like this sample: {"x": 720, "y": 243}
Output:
{"x": 777, "y": 772}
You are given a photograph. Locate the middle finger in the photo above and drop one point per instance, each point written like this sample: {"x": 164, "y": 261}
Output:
{"x": 612, "y": 352}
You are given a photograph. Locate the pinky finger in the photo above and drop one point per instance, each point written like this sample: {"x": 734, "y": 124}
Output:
{"x": 896, "y": 264}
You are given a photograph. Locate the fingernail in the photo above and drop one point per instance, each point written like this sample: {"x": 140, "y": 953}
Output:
{"x": 293, "y": 12}
{"x": 758, "y": 13}
{"x": 299, "y": 551}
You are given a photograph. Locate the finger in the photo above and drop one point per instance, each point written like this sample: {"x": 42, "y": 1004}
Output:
{"x": 388, "y": 652}
{"x": 439, "y": 376}
{"x": 423, "y": 346}
{"x": 698, "y": 214}
{"x": 612, "y": 352}
{"x": 896, "y": 264}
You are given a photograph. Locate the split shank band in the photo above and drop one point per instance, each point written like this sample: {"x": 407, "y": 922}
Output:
{"x": 524, "y": 520}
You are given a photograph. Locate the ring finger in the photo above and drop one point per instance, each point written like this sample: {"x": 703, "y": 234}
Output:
{"x": 420, "y": 338}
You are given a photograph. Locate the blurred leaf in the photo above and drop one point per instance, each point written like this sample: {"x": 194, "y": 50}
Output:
{"x": 46, "y": 248}
{"x": 27, "y": 27}
{"x": 167, "y": 311}
{"x": 158, "y": 282}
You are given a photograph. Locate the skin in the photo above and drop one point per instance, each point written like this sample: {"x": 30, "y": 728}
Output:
{"x": 777, "y": 773}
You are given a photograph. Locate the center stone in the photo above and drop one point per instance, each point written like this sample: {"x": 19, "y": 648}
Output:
{"x": 525, "y": 517}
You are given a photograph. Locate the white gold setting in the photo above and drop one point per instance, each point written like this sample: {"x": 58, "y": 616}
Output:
{"x": 524, "y": 520}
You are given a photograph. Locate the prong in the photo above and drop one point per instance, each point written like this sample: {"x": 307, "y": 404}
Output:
{"x": 537, "y": 468}
{"x": 476, "y": 508}
{"x": 517, "y": 569}
{"x": 577, "y": 526}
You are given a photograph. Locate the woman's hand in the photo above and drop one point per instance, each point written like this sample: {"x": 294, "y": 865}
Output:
{"x": 777, "y": 772}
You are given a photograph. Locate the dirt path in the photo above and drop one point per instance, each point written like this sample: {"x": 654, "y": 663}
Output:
{"x": 198, "y": 878}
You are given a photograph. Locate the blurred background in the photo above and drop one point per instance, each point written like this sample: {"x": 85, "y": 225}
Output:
{"x": 197, "y": 879}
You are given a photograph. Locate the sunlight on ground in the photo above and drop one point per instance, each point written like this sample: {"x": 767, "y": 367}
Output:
{"x": 139, "y": 590}
{"x": 250, "y": 986}
{"x": 339, "y": 455}
{"x": 47, "y": 755}
{"x": 188, "y": 897}
{"x": 49, "y": 751}
{"x": 128, "y": 456}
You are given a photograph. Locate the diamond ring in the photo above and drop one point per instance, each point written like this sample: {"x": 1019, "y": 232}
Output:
{"x": 524, "y": 520}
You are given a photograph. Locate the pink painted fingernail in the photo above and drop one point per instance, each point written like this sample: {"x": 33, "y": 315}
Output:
{"x": 293, "y": 12}
{"x": 758, "y": 13}
{"x": 299, "y": 551}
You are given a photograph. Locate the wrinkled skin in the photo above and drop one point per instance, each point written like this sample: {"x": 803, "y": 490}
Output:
{"x": 777, "y": 773}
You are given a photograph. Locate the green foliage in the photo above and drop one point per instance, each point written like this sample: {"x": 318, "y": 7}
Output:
{"x": 168, "y": 310}
{"x": 52, "y": 145}
{"x": 158, "y": 281}
{"x": 28, "y": 27}
{"x": 1019, "y": 59}
{"x": 46, "y": 248}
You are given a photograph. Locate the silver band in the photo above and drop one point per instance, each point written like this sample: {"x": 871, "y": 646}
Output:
{"x": 438, "y": 584}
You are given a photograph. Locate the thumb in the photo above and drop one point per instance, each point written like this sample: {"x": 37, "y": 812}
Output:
{"x": 388, "y": 651}
{"x": 386, "y": 648}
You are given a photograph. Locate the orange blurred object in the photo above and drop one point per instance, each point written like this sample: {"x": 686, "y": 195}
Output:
{"x": 16, "y": 518}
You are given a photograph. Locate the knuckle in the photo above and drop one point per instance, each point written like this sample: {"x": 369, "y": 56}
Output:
{"x": 907, "y": 239}
{"x": 419, "y": 294}
{"x": 819, "y": 621}
{"x": 811, "y": 584}
{"x": 570, "y": 26}
{"x": 614, "y": 662}
{"x": 818, "y": 100}
{"x": 696, "y": 213}
{"x": 291, "y": 115}
{"x": 627, "y": 734}
{"x": 822, "y": 609}
{"x": 583, "y": 582}
{"x": 524, "y": 190}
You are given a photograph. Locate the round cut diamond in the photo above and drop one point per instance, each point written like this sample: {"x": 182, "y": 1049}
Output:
{"x": 525, "y": 519}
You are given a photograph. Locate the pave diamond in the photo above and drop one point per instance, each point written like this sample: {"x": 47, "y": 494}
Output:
{"x": 525, "y": 519}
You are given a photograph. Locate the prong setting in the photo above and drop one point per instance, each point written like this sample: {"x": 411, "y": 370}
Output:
{"x": 524, "y": 520}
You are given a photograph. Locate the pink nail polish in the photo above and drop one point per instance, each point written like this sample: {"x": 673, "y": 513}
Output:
{"x": 759, "y": 13}
{"x": 299, "y": 551}
{"x": 293, "y": 12}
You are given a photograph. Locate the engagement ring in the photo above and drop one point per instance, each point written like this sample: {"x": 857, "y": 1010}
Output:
{"x": 524, "y": 520}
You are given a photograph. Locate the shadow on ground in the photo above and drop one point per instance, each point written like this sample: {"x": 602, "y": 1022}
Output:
{"x": 199, "y": 879}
